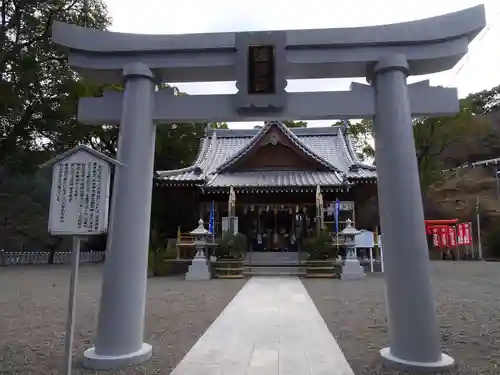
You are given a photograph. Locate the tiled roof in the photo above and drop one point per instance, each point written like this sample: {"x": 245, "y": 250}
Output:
{"x": 291, "y": 137}
{"x": 221, "y": 148}
{"x": 275, "y": 178}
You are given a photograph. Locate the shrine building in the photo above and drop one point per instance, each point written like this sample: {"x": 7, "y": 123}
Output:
{"x": 275, "y": 172}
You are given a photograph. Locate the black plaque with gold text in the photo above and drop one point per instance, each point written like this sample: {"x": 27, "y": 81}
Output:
{"x": 261, "y": 69}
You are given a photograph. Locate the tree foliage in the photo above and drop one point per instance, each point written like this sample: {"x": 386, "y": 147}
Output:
{"x": 39, "y": 91}
{"x": 295, "y": 124}
{"x": 24, "y": 211}
{"x": 361, "y": 135}
{"x": 483, "y": 102}
{"x": 289, "y": 123}
{"x": 436, "y": 138}
{"x": 38, "y": 99}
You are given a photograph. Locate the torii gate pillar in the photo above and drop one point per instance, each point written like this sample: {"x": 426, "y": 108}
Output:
{"x": 413, "y": 328}
{"x": 120, "y": 327}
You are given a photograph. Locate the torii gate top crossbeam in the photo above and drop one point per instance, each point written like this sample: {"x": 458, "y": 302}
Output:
{"x": 430, "y": 45}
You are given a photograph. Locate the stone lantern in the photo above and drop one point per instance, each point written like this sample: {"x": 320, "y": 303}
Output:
{"x": 352, "y": 269}
{"x": 199, "y": 268}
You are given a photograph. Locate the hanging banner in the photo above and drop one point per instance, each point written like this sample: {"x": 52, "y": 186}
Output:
{"x": 467, "y": 233}
{"x": 443, "y": 234}
{"x": 435, "y": 238}
{"x": 460, "y": 234}
{"x": 464, "y": 234}
{"x": 452, "y": 236}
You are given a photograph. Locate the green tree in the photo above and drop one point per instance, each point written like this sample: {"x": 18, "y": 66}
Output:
{"x": 361, "y": 135}
{"x": 435, "y": 138}
{"x": 24, "y": 208}
{"x": 38, "y": 101}
{"x": 295, "y": 124}
{"x": 177, "y": 144}
{"x": 288, "y": 123}
{"x": 219, "y": 125}
{"x": 483, "y": 102}
{"x": 39, "y": 91}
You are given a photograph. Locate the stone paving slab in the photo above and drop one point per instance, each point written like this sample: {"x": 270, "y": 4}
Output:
{"x": 271, "y": 327}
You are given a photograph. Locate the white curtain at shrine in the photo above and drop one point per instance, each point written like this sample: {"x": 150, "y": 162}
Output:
{"x": 319, "y": 208}
{"x": 231, "y": 202}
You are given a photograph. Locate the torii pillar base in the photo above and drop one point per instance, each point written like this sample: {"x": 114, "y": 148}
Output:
{"x": 107, "y": 362}
{"x": 389, "y": 360}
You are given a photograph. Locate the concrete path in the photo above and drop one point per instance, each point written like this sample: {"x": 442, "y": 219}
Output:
{"x": 271, "y": 327}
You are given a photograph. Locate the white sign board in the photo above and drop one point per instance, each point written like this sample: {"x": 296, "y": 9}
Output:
{"x": 365, "y": 239}
{"x": 80, "y": 195}
{"x": 346, "y": 205}
{"x": 343, "y": 206}
{"x": 227, "y": 222}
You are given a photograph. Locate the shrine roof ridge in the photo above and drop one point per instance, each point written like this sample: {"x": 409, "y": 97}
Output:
{"x": 300, "y": 132}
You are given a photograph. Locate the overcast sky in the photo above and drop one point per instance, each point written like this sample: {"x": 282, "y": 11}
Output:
{"x": 479, "y": 70}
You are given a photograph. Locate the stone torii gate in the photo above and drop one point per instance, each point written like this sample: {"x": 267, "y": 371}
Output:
{"x": 260, "y": 63}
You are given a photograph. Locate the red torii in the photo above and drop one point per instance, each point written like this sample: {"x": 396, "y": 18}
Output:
{"x": 444, "y": 232}
{"x": 429, "y": 224}
{"x": 441, "y": 222}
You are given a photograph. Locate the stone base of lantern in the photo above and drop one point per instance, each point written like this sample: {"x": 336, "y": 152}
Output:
{"x": 352, "y": 270}
{"x": 198, "y": 270}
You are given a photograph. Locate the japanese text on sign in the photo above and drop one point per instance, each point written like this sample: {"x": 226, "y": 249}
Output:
{"x": 452, "y": 234}
{"x": 443, "y": 233}
{"x": 467, "y": 230}
{"x": 435, "y": 238}
{"x": 460, "y": 234}
{"x": 79, "y": 199}
{"x": 464, "y": 236}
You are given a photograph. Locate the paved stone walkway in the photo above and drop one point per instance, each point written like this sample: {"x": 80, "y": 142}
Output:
{"x": 271, "y": 327}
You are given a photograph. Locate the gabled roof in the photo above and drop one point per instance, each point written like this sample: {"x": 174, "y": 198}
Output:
{"x": 268, "y": 127}
{"x": 221, "y": 148}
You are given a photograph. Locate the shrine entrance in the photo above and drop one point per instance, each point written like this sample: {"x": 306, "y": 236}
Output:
{"x": 261, "y": 63}
{"x": 270, "y": 228}
{"x": 282, "y": 227}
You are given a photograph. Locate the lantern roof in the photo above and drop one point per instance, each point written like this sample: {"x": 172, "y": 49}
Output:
{"x": 349, "y": 230}
{"x": 201, "y": 230}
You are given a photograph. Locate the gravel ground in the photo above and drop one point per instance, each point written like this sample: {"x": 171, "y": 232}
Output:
{"x": 468, "y": 296}
{"x": 33, "y": 308}
{"x": 33, "y": 302}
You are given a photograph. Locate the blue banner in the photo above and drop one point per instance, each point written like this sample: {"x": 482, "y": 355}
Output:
{"x": 211, "y": 220}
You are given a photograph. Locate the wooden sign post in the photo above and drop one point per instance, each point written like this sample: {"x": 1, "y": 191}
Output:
{"x": 79, "y": 205}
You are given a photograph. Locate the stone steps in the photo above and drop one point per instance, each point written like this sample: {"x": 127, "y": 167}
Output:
{"x": 273, "y": 264}
{"x": 274, "y": 270}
